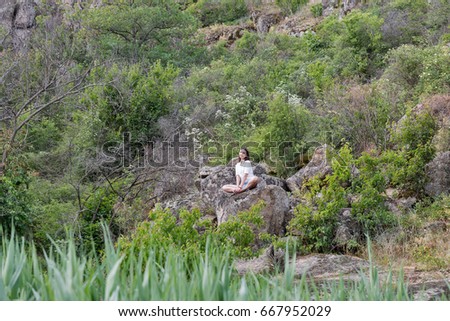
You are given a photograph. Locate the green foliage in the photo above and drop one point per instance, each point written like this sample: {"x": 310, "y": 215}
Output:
{"x": 138, "y": 30}
{"x": 371, "y": 212}
{"x": 190, "y": 235}
{"x": 15, "y": 203}
{"x": 98, "y": 209}
{"x": 291, "y": 6}
{"x": 315, "y": 221}
{"x": 218, "y": 11}
{"x": 317, "y": 10}
{"x": 44, "y": 135}
{"x": 54, "y": 205}
{"x": 64, "y": 274}
{"x": 415, "y": 130}
{"x": 434, "y": 210}
{"x": 435, "y": 77}
{"x": 240, "y": 231}
{"x": 415, "y": 21}
{"x": 285, "y": 132}
{"x": 133, "y": 98}
{"x": 162, "y": 231}
{"x": 421, "y": 71}
{"x": 246, "y": 45}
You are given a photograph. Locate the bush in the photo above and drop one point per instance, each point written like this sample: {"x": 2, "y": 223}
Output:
{"x": 415, "y": 130}
{"x": 15, "y": 203}
{"x": 285, "y": 133}
{"x": 135, "y": 97}
{"x": 218, "y": 11}
{"x": 315, "y": 222}
{"x": 190, "y": 234}
{"x": 317, "y": 10}
{"x": 291, "y": 6}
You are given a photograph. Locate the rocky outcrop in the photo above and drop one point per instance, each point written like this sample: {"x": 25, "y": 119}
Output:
{"x": 430, "y": 290}
{"x": 319, "y": 165}
{"x": 330, "y": 266}
{"x": 438, "y": 175}
{"x": 270, "y": 190}
{"x": 265, "y": 20}
{"x": 329, "y": 6}
{"x": 347, "y": 228}
{"x": 297, "y": 26}
{"x": 229, "y": 34}
{"x": 18, "y": 17}
{"x": 344, "y": 6}
{"x": 276, "y": 206}
{"x": 266, "y": 262}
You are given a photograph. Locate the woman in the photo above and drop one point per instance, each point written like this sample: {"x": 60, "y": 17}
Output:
{"x": 244, "y": 175}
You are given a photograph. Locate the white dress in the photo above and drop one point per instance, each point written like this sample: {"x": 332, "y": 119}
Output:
{"x": 243, "y": 168}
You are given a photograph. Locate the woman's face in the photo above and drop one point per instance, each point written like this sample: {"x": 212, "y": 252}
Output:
{"x": 242, "y": 154}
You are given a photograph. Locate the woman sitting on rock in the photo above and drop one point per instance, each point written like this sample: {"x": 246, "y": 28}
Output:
{"x": 244, "y": 175}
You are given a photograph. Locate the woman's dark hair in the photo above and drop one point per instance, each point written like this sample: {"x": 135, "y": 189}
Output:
{"x": 247, "y": 154}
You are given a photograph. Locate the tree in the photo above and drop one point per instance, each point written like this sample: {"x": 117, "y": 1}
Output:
{"x": 138, "y": 28}
{"x": 34, "y": 81}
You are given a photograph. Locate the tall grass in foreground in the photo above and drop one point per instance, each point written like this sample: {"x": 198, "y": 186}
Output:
{"x": 62, "y": 274}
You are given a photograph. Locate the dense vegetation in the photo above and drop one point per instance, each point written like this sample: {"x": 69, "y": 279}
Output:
{"x": 94, "y": 83}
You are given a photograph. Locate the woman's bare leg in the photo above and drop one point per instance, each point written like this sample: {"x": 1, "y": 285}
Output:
{"x": 229, "y": 188}
{"x": 252, "y": 184}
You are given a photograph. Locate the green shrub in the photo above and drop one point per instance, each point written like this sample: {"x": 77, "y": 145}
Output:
{"x": 218, "y": 11}
{"x": 435, "y": 77}
{"x": 240, "y": 232}
{"x": 434, "y": 209}
{"x": 190, "y": 233}
{"x": 291, "y": 6}
{"x": 133, "y": 100}
{"x": 315, "y": 222}
{"x": 371, "y": 212}
{"x": 414, "y": 130}
{"x": 317, "y": 10}
{"x": 285, "y": 132}
{"x": 15, "y": 202}
{"x": 246, "y": 46}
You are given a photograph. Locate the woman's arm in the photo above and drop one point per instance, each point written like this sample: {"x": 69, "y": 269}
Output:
{"x": 238, "y": 180}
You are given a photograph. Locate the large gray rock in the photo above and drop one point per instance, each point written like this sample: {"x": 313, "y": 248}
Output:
{"x": 270, "y": 189}
{"x": 264, "y": 21}
{"x": 438, "y": 174}
{"x": 17, "y": 17}
{"x": 266, "y": 262}
{"x": 430, "y": 290}
{"x": 319, "y": 165}
{"x": 344, "y": 6}
{"x": 330, "y": 266}
{"x": 274, "y": 211}
{"x": 347, "y": 228}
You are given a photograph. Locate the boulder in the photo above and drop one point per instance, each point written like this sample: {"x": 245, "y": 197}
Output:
{"x": 266, "y": 262}
{"x": 276, "y": 206}
{"x": 319, "y": 165}
{"x": 430, "y": 290}
{"x": 330, "y": 266}
{"x": 18, "y": 17}
{"x": 347, "y": 228}
{"x": 438, "y": 175}
{"x": 271, "y": 190}
{"x": 345, "y": 6}
{"x": 264, "y": 20}
{"x": 230, "y": 34}
{"x": 298, "y": 26}
{"x": 349, "y": 5}
{"x": 329, "y": 6}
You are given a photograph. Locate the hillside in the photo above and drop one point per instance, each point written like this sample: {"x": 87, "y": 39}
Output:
{"x": 131, "y": 113}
